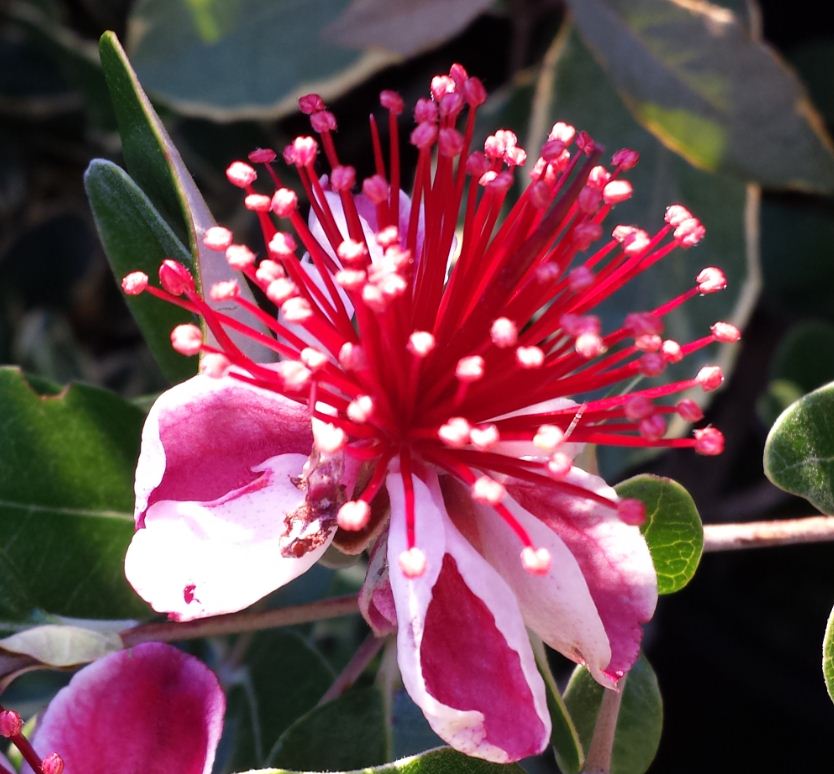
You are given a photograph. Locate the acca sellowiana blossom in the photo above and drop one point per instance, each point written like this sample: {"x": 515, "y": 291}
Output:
{"x": 433, "y": 385}
{"x": 148, "y": 709}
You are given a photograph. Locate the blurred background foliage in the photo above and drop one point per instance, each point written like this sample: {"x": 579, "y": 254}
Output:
{"x": 730, "y": 105}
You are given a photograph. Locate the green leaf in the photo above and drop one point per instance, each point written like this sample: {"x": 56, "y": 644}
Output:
{"x": 639, "y": 723}
{"x": 233, "y": 59}
{"x": 281, "y": 678}
{"x": 347, "y": 733}
{"x": 136, "y": 237}
{"x": 694, "y": 75}
{"x": 62, "y": 646}
{"x": 799, "y": 451}
{"x": 573, "y": 88}
{"x": 156, "y": 166}
{"x": 673, "y": 529}
{"x": 66, "y": 501}
{"x": 828, "y": 656}
{"x": 442, "y": 761}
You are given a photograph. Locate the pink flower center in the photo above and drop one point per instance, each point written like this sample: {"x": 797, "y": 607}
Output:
{"x": 439, "y": 333}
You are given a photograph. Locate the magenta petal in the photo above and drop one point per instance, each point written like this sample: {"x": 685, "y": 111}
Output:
{"x": 613, "y": 556}
{"x": 194, "y": 559}
{"x": 204, "y": 437}
{"x": 462, "y": 645}
{"x": 151, "y": 710}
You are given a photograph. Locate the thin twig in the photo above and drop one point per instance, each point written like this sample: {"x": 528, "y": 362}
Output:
{"x": 365, "y": 653}
{"x": 763, "y": 534}
{"x": 602, "y": 742}
{"x": 235, "y": 623}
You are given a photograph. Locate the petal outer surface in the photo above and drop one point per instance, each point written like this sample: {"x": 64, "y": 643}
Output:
{"x": 203, "y": 438}
{"x": 149, "y": 710}
{"x": 195, "y": 559}
{"x": 459, "y": 629}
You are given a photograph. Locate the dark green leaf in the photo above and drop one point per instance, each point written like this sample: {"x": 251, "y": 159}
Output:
{"x": 693, "y": 74}
{"x": 443, "y": 761}
{"x": 347, "y": 733}
{"x": 280, "y": 679}
{"x": 573, "y": 88}
{"x": 137, "y": 238}
{"x": 66, "y": 501}
{"x": 639, "y": 723}
{"x": 243, "y": 58}
{"x": 799, "y": 451}
{"x": 828, "y": 656}
{"x": 673, "y": 528}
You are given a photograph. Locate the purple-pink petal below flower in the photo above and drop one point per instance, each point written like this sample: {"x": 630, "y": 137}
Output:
{"x": 444, "y": 376}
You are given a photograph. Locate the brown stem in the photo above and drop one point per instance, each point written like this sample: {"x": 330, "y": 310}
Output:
{"x": 235, "y": 623}
{"x": 356, "y": 666}
{"x": 602, "y": 742}
{"x": 763, "y": 534}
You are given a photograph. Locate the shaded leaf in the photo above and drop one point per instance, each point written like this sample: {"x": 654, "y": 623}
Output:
{"x": 799, "y": 451}
{"x": 66, "y": 500}
{"x": 347, "y": 733}
{"x": 402, "y": 26}
{"x": 62, "y": 646}
{"x": 137, "y": 238}
{"x": 639, "y": 723}
{"x": 410, "y": 730}
{"x": 694, "y": 75}
{"x": 243, "y": 58}
{"x": 828, "y": 656}
{"x": 673, "y": 529}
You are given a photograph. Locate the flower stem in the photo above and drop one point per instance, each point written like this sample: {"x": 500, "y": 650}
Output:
{"x": 247, "y": 621}
{"x": 365, "y": 653}
{"x": 602, "y": 742}
{"x": 763, "y": 534}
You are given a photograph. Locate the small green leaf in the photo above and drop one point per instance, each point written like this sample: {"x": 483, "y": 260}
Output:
{"x": 62, "y": 646}
{"x": 137, "y": 238}
{"x": 442, "y": 761}
{"x": 243, "y": 58}
{"x": 693, "y": 75}
{"x": 346, "y": 733}
{"x": 828, "y": 656}
{"x": 799, "y": 451}
{"x": 66, "y": 501}
{"x": 673, "y": 528}
{"x": 639, "y": 723}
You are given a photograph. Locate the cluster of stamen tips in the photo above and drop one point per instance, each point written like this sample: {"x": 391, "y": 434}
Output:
{"x": 401, "y": 360}
{"x": 11, "y": 727}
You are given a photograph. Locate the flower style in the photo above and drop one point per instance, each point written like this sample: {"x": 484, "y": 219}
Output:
{"x": 433, "y": 390}
{"x": 151, "y": 708}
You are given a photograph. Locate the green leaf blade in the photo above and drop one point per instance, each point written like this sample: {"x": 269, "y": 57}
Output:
{"x": 828, "y": 656}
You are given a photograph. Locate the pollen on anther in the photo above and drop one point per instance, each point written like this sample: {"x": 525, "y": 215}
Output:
{"x": 329, "y": 438}
{"x": 711, "y": 280}
{"x": 455, "y": 432}
{"x": 354, "y": 515}
{"x": 484, "y": 436}
{"x": 470, "y": 369}
{"x": 559, "y": 465}
{"x": 224, "y": 290}
{"x": 217, "y": 238}
{"x": 709, "y": 441}
{"x": 548, "y": 437}
{"x": 488, "y": 491}
{"x": 536, "y": 561}
{"x": 360, "y": 409}
{"x": 529, "y": 357}
{"x": 134, "y": 283}
{"x": 727, "y": 333}
{"x": 313, "y": 358}
{"x": 710, "y": 378}
{"x": 504, "y": 332}
{"x": 239, "y": 257}
{"x": 214, "y": 365}
{"x": 420, "y": 343}
{"x": 412, "y": 562}
{"x": 240, "y": 174}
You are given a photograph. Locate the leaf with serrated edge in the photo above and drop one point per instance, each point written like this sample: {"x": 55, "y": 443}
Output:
{"x": 156, "y": 165}
{"x": 673, "y": 529}
{"x": 640, "y": 720}
{"x": 442, "y": 761}
{"x": 137, "y": 238}
{"x": 695, "y": 76}
{"x": 799, "y": 451}
{"x": 66, "y": 500}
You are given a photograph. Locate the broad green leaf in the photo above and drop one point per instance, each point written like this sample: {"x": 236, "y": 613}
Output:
{"x": 156, "y": 166}
{"x": 564, "y": 737}
{"x": 803, "y": 362}
{"x": 346, "y": 733}
{"x": 281, "y": 677}
{"x": 694, "y": 75}
{"x": 62, "y": 646}
{"x": 673, "y": 529}
{"x": 443, "y": 761}
{"x": 136, "y": 237}
{"x": 639, "y": 723}
{"x": 402, "y": 26}
{"x": 799, "y": 451}
{"x": 243, "y": 58}
{"x": 66, "y": 501}
{"x": 828, "y": 656}
{"x": 573, "y": 88}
